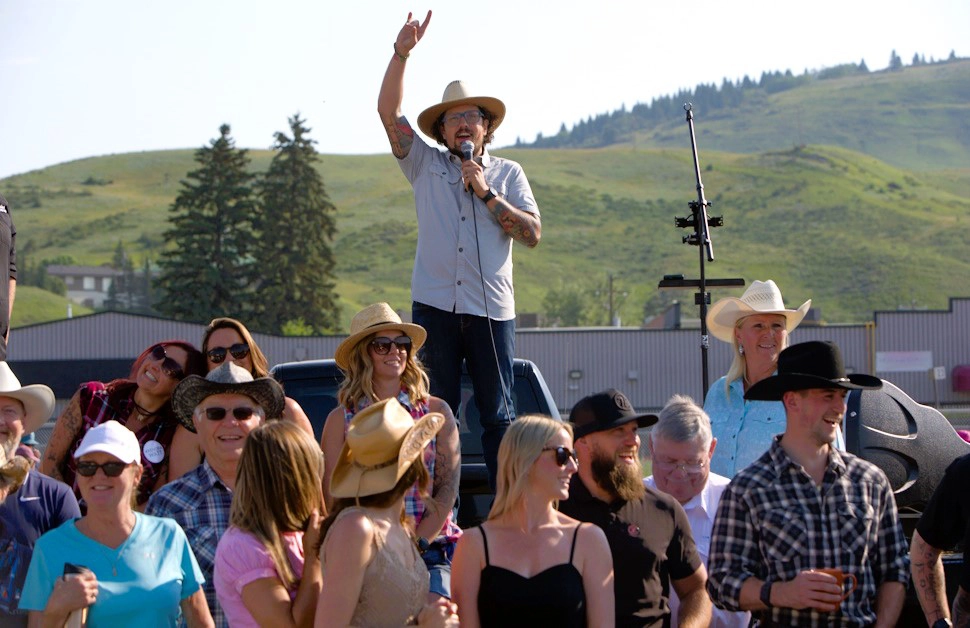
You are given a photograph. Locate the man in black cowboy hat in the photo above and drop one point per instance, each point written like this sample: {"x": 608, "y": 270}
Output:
{"x": 222, "y": 409}
{"x": 804, "y": 506}
{"x": 648, "y": 531}
{"x": 470, "y": 207}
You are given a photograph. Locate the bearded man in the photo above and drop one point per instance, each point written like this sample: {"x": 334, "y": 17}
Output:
{"x": 648, "y": 532}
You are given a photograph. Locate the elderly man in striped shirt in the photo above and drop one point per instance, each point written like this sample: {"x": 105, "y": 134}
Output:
{"x": 803, "y": 507}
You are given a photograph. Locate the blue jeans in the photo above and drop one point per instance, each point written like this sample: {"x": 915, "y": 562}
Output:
{"x": 454, "y": 337}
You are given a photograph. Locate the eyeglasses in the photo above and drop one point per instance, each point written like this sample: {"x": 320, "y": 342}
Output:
{"x": 382, "y": 345}
{"x": 470, "y": 117}
{"x": 169, "y": 366}
{"x": 217, "y": 354}
{"x": 111, "y": 469}
{"x": 241, "y": 414}
{"x": 692, "y": 468}
{"x": 563, "y": 455}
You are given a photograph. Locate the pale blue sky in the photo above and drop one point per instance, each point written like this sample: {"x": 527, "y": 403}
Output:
{"x": 82, "y": 78}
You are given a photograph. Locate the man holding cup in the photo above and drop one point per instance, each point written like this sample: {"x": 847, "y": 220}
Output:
{"x": 809, "y": 535}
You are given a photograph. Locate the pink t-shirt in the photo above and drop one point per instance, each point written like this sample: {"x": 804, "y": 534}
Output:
{"x": 241, "y": 558}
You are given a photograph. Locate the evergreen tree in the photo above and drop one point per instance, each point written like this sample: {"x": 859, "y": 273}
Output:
{"x": 208, "y": 269}
{"x": 895, "y": 63}
{"x": 297, "y": 224}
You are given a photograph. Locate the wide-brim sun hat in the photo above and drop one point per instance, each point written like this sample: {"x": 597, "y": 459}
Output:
{"x": 370, "y": 320}
{"x": 761, "y": 297}
{"x": 111, "y": 438}
{"x": 229, "y": 379}
{"x": 808, "y": 365}
{"x": 38, "y": 399}
{"x": 381, "y": 444}
{"x": 457, "y": 93}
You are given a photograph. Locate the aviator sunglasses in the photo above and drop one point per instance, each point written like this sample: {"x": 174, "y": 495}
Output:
{"x": 111, "y": 469}
{"x": 169, "y": 366}
{"x": 240, "y": 414}
{"x": 217, "y": 354}
{"x": 563, "y": 454}
{"x": 382, "y": 345}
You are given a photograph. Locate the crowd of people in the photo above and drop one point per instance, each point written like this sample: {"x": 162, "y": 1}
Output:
{"x": 193, "y": 492}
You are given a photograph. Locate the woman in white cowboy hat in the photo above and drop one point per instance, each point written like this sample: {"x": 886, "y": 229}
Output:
{"x": 380, "y": 362}
{"x": 757, "y": 326}
{"x": 372, "y": 572}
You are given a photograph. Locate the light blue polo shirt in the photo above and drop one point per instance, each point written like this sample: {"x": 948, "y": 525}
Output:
{"x": 446, "y": 263}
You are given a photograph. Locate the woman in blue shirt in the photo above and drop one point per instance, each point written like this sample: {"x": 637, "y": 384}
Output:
{"x": 757, "y": 326}
{"x": 138, "y": 570}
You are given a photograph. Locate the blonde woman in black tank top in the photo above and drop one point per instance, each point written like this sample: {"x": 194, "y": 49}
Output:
{"x": 528, "y": 564}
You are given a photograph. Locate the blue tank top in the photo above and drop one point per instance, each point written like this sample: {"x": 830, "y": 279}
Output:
{"x": 552, "y": 597}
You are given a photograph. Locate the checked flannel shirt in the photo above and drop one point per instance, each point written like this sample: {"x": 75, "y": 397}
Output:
{"x": 200, "y": 503}
{"x": 774, "y": 522}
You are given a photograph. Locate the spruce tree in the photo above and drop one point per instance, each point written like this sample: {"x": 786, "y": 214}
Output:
{"x": 297, "y": 226}
{"x": 207, "y": 269}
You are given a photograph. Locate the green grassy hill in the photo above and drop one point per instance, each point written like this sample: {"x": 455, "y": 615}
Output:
{"x": 843, "y": 228}
{"x": 33, "y": 305}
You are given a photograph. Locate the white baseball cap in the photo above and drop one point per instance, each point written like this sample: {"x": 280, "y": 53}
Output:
{"x": 112, "y": 438}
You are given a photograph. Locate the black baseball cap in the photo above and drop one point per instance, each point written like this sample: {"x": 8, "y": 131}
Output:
{"x": 604, "y": 411}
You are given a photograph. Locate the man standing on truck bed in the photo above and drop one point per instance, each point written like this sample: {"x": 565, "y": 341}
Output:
{"x": 944, "y": 523}
{"x": 470, "y": 207}
{"x": 804, "y": 506}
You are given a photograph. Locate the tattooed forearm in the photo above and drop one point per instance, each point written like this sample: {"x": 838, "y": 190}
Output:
{"x": 401, "y": 136}
{"x": 65, "y": 432}
{"x": 521, "y": 226}
{"x": 928, "y": 578}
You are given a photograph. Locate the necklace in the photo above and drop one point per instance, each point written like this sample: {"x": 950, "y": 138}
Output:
{"x": 120, "y": 551}
{"x": 141, "y": 413}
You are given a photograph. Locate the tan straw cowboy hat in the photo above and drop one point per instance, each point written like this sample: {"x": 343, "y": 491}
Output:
{"x": 382, "y": 443}
{"x": 370, "y": 320}
{"x": 457, "y": 93}
{"x": 38, "y": 399}
{"x": 761, "y": 297}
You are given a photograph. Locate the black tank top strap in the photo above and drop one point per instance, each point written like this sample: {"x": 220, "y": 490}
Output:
{"x": 572, "y": 550}
{"x": 481, "y": 529}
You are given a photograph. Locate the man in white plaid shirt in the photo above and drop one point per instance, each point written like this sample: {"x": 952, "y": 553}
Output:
{"x": 805, "y": 506}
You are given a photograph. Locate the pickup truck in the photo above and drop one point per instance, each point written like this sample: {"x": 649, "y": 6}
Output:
{"x": 314, "y": 385}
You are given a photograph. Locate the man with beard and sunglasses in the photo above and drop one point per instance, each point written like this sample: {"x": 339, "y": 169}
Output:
{"x": 648, "y": 532}
{"x": 222, "y": 408}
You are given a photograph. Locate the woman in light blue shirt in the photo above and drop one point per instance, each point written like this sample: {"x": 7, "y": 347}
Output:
{"x": 757, "y": 326}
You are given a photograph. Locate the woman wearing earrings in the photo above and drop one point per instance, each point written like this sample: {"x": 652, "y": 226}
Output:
{"x": 141, "y": 403}
{"x": 528, "y": 564}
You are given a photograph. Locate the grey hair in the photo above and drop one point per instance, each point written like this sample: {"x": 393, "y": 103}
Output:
{"x": 683, "y": 421}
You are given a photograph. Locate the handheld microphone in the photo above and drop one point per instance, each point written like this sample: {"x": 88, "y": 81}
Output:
{"x": 467, "y": 148}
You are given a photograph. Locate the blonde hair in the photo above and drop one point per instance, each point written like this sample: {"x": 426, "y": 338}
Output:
{"x": 521, "y": 447}
{"x": 278, "y": 486}
{"x": 738, "y": 366}
{"x": 260, "y": 363}
{"x": 358, "y": 382}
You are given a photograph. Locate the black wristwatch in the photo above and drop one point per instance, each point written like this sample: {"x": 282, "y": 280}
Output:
{"x": 766, "y": 593}
{"x": 423, "y": 544}
{"x": 488, "y": 196}
{"x": 942, "y": 622}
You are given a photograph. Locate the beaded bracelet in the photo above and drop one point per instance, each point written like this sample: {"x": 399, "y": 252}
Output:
{"x": 397, "y": 54}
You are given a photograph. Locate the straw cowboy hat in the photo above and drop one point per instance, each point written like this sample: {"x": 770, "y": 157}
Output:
{"x": 228, "y": 378}
{"x": 457, "y": 93}
{"x": 370, "y": 320}
{"x": 382, "y": 442}
{"x": 38, "y": 399}
{"x": 761, "y": 297}
{"x": 807, "y": 365}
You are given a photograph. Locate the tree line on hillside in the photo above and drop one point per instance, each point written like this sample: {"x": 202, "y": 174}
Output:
{"x": 609, "y": 128}
{"x": 252, "y": 246}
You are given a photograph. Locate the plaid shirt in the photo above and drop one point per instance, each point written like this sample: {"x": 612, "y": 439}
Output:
{"x": 773, "y": 522}
{"x": 199, "y": 502}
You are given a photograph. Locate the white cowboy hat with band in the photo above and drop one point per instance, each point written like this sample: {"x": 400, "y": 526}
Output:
{"x": 382, "y": 443}
{"x": 761, "y": 297}
{"x": 38, "y": 399}
{"x": 370, "y": 320}
{"x": 456, "y": 94}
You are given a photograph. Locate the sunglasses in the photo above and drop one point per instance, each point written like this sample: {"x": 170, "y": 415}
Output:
{"x": 169, "y": 366}
{"x": 563, "y": 455}
{"x": 690, "y": 468}
{"x": 382, "y": 345}
{"x": 240, "y": 414}
{"x": 217, "y": 354}
{"x": 111, "y": 469}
